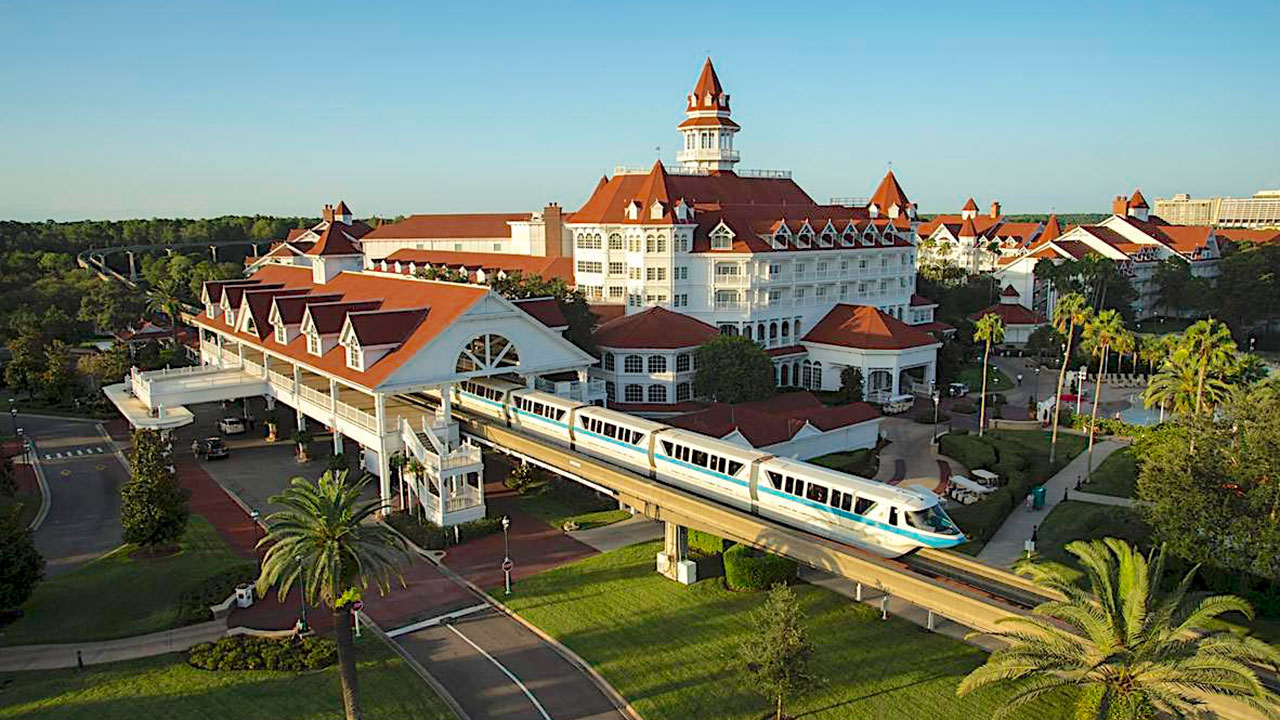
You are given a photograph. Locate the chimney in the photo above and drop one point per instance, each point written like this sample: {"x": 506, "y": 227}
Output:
{"x": 995, "y": 211}
{"x": 1120, "y": 206}
{"x": 553, "y": 229}
{"x": 327, "y": 213}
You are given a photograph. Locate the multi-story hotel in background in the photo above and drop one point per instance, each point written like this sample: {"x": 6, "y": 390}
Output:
{"x": 1260, "y": 211}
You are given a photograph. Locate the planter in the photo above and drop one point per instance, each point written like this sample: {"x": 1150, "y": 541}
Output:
{"x": 302, "y": 455}
{"x": 271, "y": 432}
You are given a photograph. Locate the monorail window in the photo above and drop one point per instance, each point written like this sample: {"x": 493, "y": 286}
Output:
{"x": 775, "y": 479}
{"x": 845, "y": 502}
{"x": 790, "y": 485}
{"x": 699, "y": 458}
{"x": 893, "y": 516}
{"x": 863, "y": 506}
{"x": 835, "y": 498}
{"x": 734, "y": 467}
{"x": 817, "y": 493}
{"x": 800, "y": 488}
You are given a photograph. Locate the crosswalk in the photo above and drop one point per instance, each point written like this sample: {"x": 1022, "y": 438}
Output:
{"x": 75, "y": 452}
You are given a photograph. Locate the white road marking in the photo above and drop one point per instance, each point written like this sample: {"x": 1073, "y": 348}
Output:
{"x": 542, "y": 711}
{"x": 97, "y": 449}
{"x": 79, "y": 451}
{"x": 437, "y": 620}
{"x": 47, "y": 456}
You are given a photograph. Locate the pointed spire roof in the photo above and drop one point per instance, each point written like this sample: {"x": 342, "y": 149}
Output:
{"x": 1009, "y": 291}
{"x": 889, "y": 193}
{"x": 342, "y": 209}
{"x": 1137, "y": 201}
{"x": 333, "y": 241}
{"x": 709, "y": 85}
{"x": 971, "y": 205}
{"x": 653, "y": 190}
{"x": 967, "y": 230}
{"x": 1052, "y": 230}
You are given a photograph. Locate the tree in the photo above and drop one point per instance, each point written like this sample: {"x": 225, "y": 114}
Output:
{"x": 106, "y": 367}
{"x": 1218, "y": 504}
{"x": 1211, "y": 350}
{"x": 1070, "y": 311}
{"x": 322, "y": 542}
{"x": 1103, "y": 333}
{"x": 1044, "y": 340}
{"x": 21, "y": 566}
{"x": 987, "y": 330}
{"x": 1173, "y": 387}
{"x": 778, "y": 655}
{"x": 851, "y": 384}
{"x": 166, "y": 298}
{"x": 733, "y": 369}
{"x": 573, "y": 304}
{"x": 109, "y": 307}
{"x": 153, "y": 508}
{"x": 57, "y": 377}
{"x": 1131, "y": 649}
{"x": 1174, "y": 286}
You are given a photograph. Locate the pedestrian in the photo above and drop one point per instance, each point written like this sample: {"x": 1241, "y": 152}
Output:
{"x": 1019, "y": 379}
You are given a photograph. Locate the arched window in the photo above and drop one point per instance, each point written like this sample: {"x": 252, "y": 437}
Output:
{"x": 657, "y": 363}
{"x": 807, "y": 378}
{"x": 487, "y": 352}
{"x": 683, "y": 362}
{"x": 797, "y": 328}
{"x": 633, "y": 393}
{"x": 817, "y": 376}
{"x": 615, "y": 241}
{"x": 633, "y": 364}
{"x": 684, "y": 391}
{"x": 786, "y": 376}
{"x": 773, "y": 331}
{"x": 608, "y": 361}
{"x": 657, "y": 393}
{"x": 760, "y": 331}
{"x": 786, "y": 329}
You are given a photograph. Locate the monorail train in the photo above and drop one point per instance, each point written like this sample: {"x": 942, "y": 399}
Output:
{"x": 884, "y": 519}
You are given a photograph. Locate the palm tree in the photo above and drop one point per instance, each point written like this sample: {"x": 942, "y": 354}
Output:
{"x": 322, "y": 541}
{"x": 1130, "y": 649}
{"x": 1176, "y": 384}
{"x": 1210, "y": 347}
{"x": 1069, "y": 313}
{"x": 165, "y": 299}
{"x": 1104, "y": 332}
{"x": 1152, "y": 350}
{"x": 989, "y": 329}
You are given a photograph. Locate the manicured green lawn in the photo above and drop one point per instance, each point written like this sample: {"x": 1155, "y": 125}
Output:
{"x": 118, "y": 594}
{"x": 997, "y": 381}
{"x": 672, "y": 650}
{"x": 29, "y": 502}
{"x": 1117, "y": 475}
{"x": 1074, "y": 520}
{"x": 559, "y": 504}
{"x": 166, "y": 687}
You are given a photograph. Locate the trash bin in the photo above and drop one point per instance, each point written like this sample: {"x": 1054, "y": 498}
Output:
{"x": 1037, "y": 497}
{"x": 244, "y": 595}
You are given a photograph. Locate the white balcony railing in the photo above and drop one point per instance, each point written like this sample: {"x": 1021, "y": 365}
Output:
{"x": 465, "y": 499}
{"x": 280, "y": 380}
{"x": 573, "y": 389}
{"x": 315, "y": 396}
{"x": 730, "y": 305}
{"x": 368, "y": 421}
{"x": 732, "y": 280}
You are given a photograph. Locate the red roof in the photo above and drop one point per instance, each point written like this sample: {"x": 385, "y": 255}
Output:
{"x": 656, "y": 328}
{"x": 921, "y": 301}
{"x": 888, "y": 194}
{"x": 971, "y": 205}
{"x": 866, "y": 328}
{"x": 545, "y": 310}
{"x": 342, "y": 209}
{"x": 213, "y": 288}
{"x": 604, "y": 312}
{"x": 775, "y": 420}
{"x": 786, "y": 350}
{"x": 144, "y": 331}
{"x": 468, "y": 225}
{"x": 547, "y": 268}
{"x": 1245, "y": 235}
{"x": 385, "y": 327}
{"x": 328, "y": 317}
{"x": 1011, "y": 314}
{"x": 335, "y": 240}
{"x": 258, "y": 303}
{"x": 447, "y": 301}
{"x": 1009, "y": 292}
{"x": 708, "y": 85}
{"x": 967, "y": 230}
{"x": 708, "y": 122}
{"x": 290, "y": 308}
{"x": 1052, "y": 229}
{"x": 1137, "y": 201}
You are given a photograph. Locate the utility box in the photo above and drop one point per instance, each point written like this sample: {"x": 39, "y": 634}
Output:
{"x": 244, "y": 595}
{"x": 1037, "y": 497}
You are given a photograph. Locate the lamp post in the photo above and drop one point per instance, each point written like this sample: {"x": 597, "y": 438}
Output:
{"x": 22, "y": 442}
{"x": 1037, "y": 395}
{"x": 254, "y": 515}
{"x": 506, "y": 554}
{"x": 937, "y": 398}
{"x": 302, "y": 599}
{"x": 13, "y": 414}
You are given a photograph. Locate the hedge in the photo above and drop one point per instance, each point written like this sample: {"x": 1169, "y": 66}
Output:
{"x": 248, "y": 652}
{"x": 193, "y": 605}
{"x": 429, "y": 536}
{"x": 971, "y": 451}
{"x": 706, "y": 543}
{"x": 746, "y": 568}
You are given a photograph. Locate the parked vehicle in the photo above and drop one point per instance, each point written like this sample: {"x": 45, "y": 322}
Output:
{"x": 214, "y": 448}
{"x": 231, "y": 425}
{"x": 957, "y": 389}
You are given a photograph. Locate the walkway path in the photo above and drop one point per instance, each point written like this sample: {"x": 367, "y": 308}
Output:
{"x": 1099, "y": 499}
{"x": 47, "y": 657}
{"x": 1006, "y": 546}
{"x": 635, "y": 529}
{"x": 909, "y": 458}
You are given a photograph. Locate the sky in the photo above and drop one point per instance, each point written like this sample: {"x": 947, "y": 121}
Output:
{"x": 162, "y": 109}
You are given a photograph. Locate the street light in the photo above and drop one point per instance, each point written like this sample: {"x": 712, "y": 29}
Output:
{"x": 937, "y": 398}
{"x": 22, "y": 442}
{"x": 506, "y": 554}
{"x": 302, "y": 597}
{"x": 13, "y": 414}
{"x": 254, "y": 515}
{"x": 1037, "y": 397}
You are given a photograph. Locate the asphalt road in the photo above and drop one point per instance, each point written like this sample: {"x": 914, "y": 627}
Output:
{"x": 84, "y": 477}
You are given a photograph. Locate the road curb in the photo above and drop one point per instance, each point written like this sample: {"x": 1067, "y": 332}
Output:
{"x": 619, "y": 702}
{"x": 417, "y": 667}
{"x": 46, "y": 498}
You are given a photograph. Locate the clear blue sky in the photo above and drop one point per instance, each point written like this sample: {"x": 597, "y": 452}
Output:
{"x": 141, "y": 109}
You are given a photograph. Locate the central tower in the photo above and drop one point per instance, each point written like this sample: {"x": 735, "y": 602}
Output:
{"x": 707, "y": 130}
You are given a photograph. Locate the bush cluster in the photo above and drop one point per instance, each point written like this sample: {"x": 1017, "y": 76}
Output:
{"x": 969, "y": 450}
{"x": 964, "y": 407}
{"x": 925, "y": 417}
{"x": 706, "y": 543}
{"x": 193, "y": 605}
{"x": 1109, "y": 426}
{"x": 248, "y": 652}
{"x": 429, "y": 536}
{"x": 746, "y": 568}
{"x": 981, "y": 519}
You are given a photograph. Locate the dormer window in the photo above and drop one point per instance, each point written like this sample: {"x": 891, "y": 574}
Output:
{"x": 826, "y": 239}
{"x": 721, "y": 238}
{"x": 803, "y": 240}
{"x": 847, "y": 239}
{"x": 355, "y": 357}
{"x": 208, "y": 309}
{"x": 313, "y": 343}
{"x": 657, "y": 210}
{"x": 633, "y": 210}
{"x": 779, "y": 241}
{"x": 282, "y": 336}
{"x": 231, "y": 317}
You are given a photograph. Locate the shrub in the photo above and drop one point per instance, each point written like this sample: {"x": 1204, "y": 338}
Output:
{"x": 862, "y": 462}
{"x": 969, "y": 450}
{"x": 925, "y": 417}
{"x": 248, "y": 652}
{"x": 706, "y": 542}
{"x": 980, "y": 520}
{"x": 746, "y": 568}
{"x": 964, "y": 407}
{"x": 429, "y": 536}
{"x": 193, "y": 605}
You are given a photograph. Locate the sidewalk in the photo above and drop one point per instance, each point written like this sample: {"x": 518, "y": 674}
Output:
{"x": 1006, "y": 546}
{"x": 1099, "y": 499}
{"x": 47, "y": 657}
{"x": 635, "y": 529}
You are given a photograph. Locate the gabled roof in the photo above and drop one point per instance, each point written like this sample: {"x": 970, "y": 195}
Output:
{"x": 232, "y": 294}
{"x": 1011, "y": 314}
{"x": 291, "y": 308}
{"x": 889, "y": 193}
{"x": 775, "y": 420}
{"x": 335, "y": 240}
{"x": 967, "y": 230}
{"x": 971, "y": 205}
{"x": 1137, "y": 201}
{"x": 865, "y": 328}
{"x": 214, "y": 288}
{"x": 655, "y": 329}
{"x": 545, "y": 310}
{"x": 328, "y": 318}
{"x": 1009, "y": 291}
{"x": 375, "y": 328}
{"x": 452, "y": 225}
{"x": 258, "y": 303}
{"x": 342, "y": 209}
{"x": 547, "y": 268}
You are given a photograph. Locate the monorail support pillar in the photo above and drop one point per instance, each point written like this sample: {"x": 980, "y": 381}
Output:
{"x": 673, "y": 560}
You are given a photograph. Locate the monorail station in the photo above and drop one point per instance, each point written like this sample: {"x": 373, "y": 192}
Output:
{"x": 372, "y": 356}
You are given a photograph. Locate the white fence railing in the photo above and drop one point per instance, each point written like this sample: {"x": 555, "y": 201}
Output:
{"x": 280, "y": 380}
{"x": 310, "y": 394}
{"x": 365, "y": 420}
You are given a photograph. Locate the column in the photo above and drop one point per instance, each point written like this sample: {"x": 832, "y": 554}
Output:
{"x": 897, "y": 372}
{"x": 384, "y": 469}
{"x": 133, "y": 271}
{"x": 673, "y": 560}
{"x": 213, "y": 250}
{"x": 333, "y": 416}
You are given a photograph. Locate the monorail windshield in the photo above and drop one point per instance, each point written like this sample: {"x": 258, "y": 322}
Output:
{"x": 932, "y": 520}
